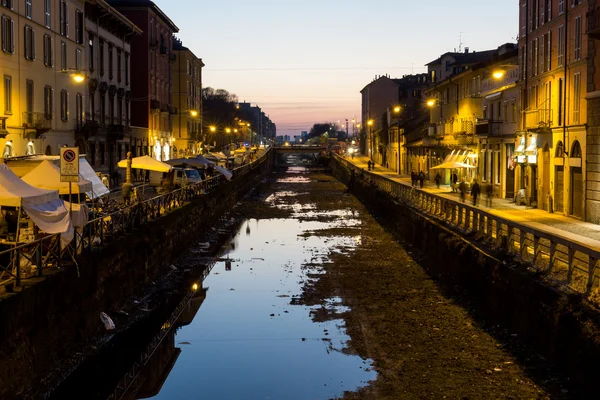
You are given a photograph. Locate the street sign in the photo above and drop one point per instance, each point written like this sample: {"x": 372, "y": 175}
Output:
{"x": 69, "y": 164}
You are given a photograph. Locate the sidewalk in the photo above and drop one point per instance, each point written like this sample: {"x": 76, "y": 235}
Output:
{"x": 540, "y": 219}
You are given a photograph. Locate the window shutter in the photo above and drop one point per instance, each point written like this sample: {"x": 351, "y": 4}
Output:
{"x": 32, "y": 44}
{"x": 52, "y": 51}
{"x": 12, "y": 36}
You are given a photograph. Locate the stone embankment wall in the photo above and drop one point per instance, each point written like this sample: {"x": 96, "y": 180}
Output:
{"x": 563, "y": 327}
{"x": 39, "y": 324}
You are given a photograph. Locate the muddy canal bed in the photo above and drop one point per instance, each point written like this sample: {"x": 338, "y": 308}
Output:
{"x": 313, "y": 299}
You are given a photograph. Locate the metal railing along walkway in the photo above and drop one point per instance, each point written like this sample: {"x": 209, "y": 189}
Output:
{"x": 32, "y": 258}
{"x": 563, "y": 258}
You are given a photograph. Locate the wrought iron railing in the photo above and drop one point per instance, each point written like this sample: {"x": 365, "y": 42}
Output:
{"x": 561, "y": 258}
{"x": 31, "y": 258}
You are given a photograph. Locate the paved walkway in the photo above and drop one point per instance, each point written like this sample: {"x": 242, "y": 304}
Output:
{"x": 552, "y": 223}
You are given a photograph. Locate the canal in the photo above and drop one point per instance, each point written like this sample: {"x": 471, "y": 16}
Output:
{"x": 311, "y": 298}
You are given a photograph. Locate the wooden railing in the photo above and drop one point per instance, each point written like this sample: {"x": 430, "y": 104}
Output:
{"x": 562, "y": 258}
{"x": 31, "y": 258}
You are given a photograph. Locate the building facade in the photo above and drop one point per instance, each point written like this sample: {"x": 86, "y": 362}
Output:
{"x": 105, "y": 136}
{"x": 187, "y": 97}
{"x": 42, "y": 47}
{"x": 550, "y": 161}
{"x": 152, "y": 112}
{"x": 592, "y": 150}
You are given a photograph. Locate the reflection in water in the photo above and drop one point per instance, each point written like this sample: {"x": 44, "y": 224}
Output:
{"x": 252, "y": 338}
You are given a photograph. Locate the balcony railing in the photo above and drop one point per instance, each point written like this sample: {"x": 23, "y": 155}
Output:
{"x": 37, "y": 120}
{"x": 593, "y": 20}
{"x": 537, "y": 118}
{"x": 488, "y": 127}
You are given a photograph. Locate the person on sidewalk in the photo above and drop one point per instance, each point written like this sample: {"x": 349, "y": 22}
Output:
{"x": 454, "y": 182}
{"x": 475, "y": 190}
{"x": 490, "y": 194}
{"x": 413, "y": 178}
{"x": 421, "y": 179}
{"x": 438, "y": 179}
{"x": 462, "y": 188}
{"x": 369, "y": 165}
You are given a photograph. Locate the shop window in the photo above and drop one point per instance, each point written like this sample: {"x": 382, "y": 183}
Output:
{"x": 576, "y": 150}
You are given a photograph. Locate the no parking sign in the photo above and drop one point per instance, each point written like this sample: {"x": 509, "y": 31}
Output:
{"x": 69, "y": 164}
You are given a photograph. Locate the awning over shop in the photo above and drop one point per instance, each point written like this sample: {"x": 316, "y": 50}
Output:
{"x": 453, "y": 165}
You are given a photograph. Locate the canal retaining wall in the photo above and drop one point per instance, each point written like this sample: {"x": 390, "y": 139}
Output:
{"x": 48, "y": 318}
{"x": 562, "y": 326}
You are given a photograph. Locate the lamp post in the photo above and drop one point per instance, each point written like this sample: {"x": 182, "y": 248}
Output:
{"x": 397, "y": 111}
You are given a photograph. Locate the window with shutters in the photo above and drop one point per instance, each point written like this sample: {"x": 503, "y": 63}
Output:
{"x": 64, "y": 18}
{"x": 119, "y": 65}
{"x": 28, "y": 9}
{"x": 127, "y": 69}
{"x": 561, "y": 46}
{"x": 8, "y": 3}
{"x": 79, "y": 27}
{"x": 576, "y": 97}
{"x": 110, "y": 61}
{"x": 63, "y": 56}
{"x": 91, "y": 52}
{"x": 78, "y": 59}
{"x": 48, "y": 13}
{"x": 101, "y": 54}
{"x": 8, "y": 35}
{"x": 7, "y": 94}
{"x": 48, "y": 102}
{"x": 48, "y": 59}
{"x": 577, "y": 40}
{"x": 561, "y": 6}
{"x": 29, "y": 43}
{"x": 64, "y": 105}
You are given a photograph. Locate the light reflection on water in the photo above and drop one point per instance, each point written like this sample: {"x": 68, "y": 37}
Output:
{"x": 248, "y": 342}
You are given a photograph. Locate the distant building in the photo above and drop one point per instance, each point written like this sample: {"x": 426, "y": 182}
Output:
{"x": 105, "y": 134}
{"x": 187, "y": 98}
{"x": 262, "y": 126}
{"x": 152, "y": 111}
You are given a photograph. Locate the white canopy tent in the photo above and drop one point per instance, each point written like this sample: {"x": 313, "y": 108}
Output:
{"x": 47, "y": 176}
{"x": 43, "y": 206}
{"x": 224, "y": 171}
{"x": 146, "y": 163}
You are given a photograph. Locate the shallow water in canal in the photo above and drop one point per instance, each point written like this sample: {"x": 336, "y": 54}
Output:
{"x": 250, "y": 339}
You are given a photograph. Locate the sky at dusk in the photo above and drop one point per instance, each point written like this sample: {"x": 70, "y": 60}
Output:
{"x": 305, "y": 61}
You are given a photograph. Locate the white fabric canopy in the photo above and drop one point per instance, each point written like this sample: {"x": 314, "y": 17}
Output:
{"x": 146, "y": 163}
{"x": 87, "y": 172}
{"x": 226, "y": 173}
{"x": 47, "y": 176}
{"x": 43, "y": 206}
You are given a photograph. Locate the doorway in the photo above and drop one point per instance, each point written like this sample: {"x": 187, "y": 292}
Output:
{"x": 559, "y": 188}
{"x": 544, "y": 203}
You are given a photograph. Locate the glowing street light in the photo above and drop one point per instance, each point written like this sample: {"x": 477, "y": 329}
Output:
{"x": 194, "y": 113}
{"x": 498, "y": 74}
{"x": 78, "y": 77}
{"x": 430, "y": 103}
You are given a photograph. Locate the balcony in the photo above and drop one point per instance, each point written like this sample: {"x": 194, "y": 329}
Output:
{"x": 537, "y": 118}
{"x": 87, "y": 128}
{"x": 593, "y": 20}
{"x": 39, "y": 121}
{"x": 488, "y": 127}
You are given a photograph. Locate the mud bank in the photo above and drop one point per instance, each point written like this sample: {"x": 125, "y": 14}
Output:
{"x": 501, "y": 294}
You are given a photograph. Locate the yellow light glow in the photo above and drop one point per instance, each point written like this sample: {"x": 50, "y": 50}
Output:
{"x": 228, "y": 130}
{"x": 212, "y": 128}
{"x": 370, "y": 122}
{"x": 498, "y": 74}
{"x": 78, "y": 78}
{"x": 397, "y": 109}
{"x": 195, "y": 287}
{"x": 248, "y": 124}
{"x": 194, "y": 113}
{"x": 235, "y": 130}
{"x": 354, "y": 142}
{"x": 430, "y": 103}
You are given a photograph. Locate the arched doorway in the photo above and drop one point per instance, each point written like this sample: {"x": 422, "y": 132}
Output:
{"x": 545, "y": 189}
{"x": 576, "y": 206}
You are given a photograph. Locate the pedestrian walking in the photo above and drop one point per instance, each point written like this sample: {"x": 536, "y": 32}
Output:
{"x": 462, "y": 188}
{"x": 475, "y": 190}
{"x": 438, "y": 179}
{"x": 454, "y": 182}
{"x": 369, "y": 165}
{"x": 413, "y": 178}
{"x": 490, "y": 194}
{"x": 421, "y": 179}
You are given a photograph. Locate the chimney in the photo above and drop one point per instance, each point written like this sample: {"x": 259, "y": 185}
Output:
{"x": 466, "y": 50}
